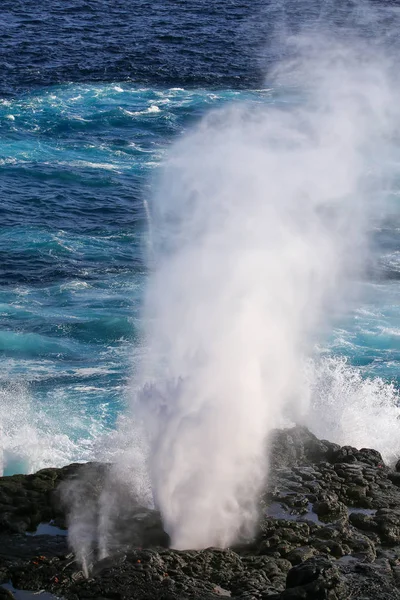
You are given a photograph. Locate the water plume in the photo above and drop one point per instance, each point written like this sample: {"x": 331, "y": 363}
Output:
{"x": 259, "y": 226}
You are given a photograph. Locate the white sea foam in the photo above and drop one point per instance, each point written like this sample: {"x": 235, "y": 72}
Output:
{"x": 30, "y": 438}
{"x": 86, "y": 164}
{"x": 347, "y": 408}
{"x": 389, "y": 331}
{"x": 75, "y": 285}
{"x": 135, "y": 113}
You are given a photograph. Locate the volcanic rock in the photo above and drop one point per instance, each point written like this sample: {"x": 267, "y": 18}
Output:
{"x": 329, "y": 528}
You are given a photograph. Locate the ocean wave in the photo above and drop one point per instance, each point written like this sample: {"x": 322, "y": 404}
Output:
{"x": 350, "y": 409}
{"x": 32, "y": 439}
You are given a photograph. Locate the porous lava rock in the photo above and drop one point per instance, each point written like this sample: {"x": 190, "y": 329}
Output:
{"x": 329, "y": 529}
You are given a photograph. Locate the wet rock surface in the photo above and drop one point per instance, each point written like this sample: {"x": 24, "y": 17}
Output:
{"x": 329, "y": 529}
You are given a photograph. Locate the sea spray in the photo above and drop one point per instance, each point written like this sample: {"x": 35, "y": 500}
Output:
{"x": 350, "y": 409}
{"x": 30, "y": 438}
{"x": 259, "y": 225}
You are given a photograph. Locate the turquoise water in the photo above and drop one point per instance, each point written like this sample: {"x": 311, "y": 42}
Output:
{"x": 77, "y": 167}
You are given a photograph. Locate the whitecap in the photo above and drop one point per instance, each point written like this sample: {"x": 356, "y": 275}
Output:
{"x": 392, "y": 331}
{"x": 90, "y": 165}
{"x": 75, "y": 285}
{"x": 367, "y": 312}
{"x": 132, "y": 113}
{"x": 89, "y": 388}
{"x": 89, "y": 371}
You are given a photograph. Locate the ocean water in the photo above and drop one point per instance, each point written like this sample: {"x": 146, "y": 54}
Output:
{"x": 77, "y": 164}
{"x": 92, "y": 95}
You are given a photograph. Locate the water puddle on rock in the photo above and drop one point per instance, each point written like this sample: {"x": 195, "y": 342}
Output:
{"x": 348, "y": 559}
{"x": 363, "y": 511}
{"x": 277, "y": 511}
{"x": 48, "y": 529}
{"x": 26, "y": 595}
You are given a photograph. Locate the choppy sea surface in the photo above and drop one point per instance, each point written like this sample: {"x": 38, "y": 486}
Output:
{"x": 92, "y": 93}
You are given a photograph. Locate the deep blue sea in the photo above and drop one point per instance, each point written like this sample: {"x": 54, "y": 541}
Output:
{"x": 92, "y": 94}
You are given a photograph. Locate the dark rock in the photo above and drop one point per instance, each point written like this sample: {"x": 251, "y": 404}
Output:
{"x": 311, "y": 570}
{"x": 297, "y": 446}
{"x": 346, "y": 454}
{"x": 363, "y": 521}
{"x": 329, "y": 507}
{"x": 299, "y": 555}
{"x": 27, "y": 500}
{"x": 329, "y": 529}
{"x": 395, "y": 477}
{"x": 388, "y": 525}
{"x": 370, "y": 457}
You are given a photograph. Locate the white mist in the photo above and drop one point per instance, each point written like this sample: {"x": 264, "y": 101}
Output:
{"x": 258, "y": 231}
{"x": 259, "y": 223}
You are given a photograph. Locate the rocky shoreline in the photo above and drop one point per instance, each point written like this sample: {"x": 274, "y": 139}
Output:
{"x": 329, "y": 529}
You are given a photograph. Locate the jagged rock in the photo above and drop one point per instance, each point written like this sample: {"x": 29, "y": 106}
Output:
{"x": 329, "y": 529}
{"x": 310, "y": 571}
{"x": 297, "y": 446}
{"x": 27, "y": 500}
